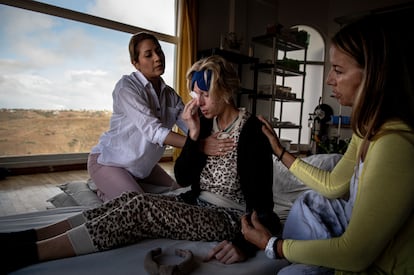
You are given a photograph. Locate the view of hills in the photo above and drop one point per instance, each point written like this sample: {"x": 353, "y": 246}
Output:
{"x": 33, "y": 132}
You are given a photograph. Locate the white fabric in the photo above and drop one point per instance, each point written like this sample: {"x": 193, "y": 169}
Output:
{"x": 80, "y": 240}
{"x": 140, "y": 122}
{"x": 220, "y": 201}
{"x": 314, "y": 216}
{"x": 269, "y": 250}
{"x": 287, "y": 188}
{"x": 129, "y": 259}
{"x": 76, "y": 220}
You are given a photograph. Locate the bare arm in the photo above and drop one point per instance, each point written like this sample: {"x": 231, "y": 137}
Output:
{"x": 175, "y": 139}
{"x": 278, "y": 150}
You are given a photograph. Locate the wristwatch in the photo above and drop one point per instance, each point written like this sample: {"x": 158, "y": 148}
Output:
{"x": 270, "y": 249}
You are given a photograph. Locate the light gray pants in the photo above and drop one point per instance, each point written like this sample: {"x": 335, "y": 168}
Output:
{"x": 112, "y": 181}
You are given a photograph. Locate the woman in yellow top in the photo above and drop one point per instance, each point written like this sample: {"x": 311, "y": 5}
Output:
{"x": 359, "y": 217}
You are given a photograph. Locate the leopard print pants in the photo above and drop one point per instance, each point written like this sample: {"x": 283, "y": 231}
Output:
{"x": 132, "y": 217}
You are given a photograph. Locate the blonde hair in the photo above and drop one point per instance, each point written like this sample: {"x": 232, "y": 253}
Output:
{"x": 224, "y": 79}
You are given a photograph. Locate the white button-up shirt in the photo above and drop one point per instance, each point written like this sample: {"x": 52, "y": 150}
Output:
{"x": 139, "y": 124}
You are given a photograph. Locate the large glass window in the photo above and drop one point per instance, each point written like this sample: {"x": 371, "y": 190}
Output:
{"x": 57, "y": 75}
{"x": 155, "y": 15}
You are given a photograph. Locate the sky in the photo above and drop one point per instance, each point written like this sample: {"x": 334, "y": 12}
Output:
{"x": 52, "y": 63}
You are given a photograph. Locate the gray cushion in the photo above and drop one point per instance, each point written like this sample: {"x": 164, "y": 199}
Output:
{"x": 76, "y": 193}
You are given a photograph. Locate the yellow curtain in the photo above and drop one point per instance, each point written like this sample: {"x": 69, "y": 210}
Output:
{"x": 187, "y": 50}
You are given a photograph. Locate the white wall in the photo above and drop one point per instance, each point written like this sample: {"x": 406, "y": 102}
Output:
{"x": 252, "y": 16}
{"x": 320, "y": 14}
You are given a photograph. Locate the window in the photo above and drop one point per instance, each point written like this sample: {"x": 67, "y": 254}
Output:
{"x": 155, "y": 15}
{"x": 57, "y": 72}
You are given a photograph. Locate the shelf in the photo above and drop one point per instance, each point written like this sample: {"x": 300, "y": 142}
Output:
{"x": 285, "y": 125}
{"x": 343, "y": 126}
{"x": 245, "y": 91}
{"x": 278, "y": 69}
{"x": 276, "y": 98}
{"x": 282, "y": 42}
{"x": 294, "y": 152}
{"x": 231, "y": 56}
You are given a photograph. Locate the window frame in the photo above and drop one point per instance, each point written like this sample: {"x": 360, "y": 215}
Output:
{"x": 85, "y": 18}
{"x": 28, "y": 164}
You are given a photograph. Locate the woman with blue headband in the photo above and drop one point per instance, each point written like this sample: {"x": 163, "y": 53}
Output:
{"x": 145, "y": 109}
{"x": 224, "y": 187}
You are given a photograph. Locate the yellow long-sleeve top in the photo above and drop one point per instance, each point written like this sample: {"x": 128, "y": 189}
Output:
{"x": 380, "y": 236}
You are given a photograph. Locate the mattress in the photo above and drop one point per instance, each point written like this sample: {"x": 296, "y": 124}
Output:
{"x": 130, "y": 259}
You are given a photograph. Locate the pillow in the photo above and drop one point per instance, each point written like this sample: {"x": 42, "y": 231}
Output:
{"x": 286, "y": 187}
{"x": 81, "y": 193}
{"x": 62, "y": 200}
{"x": 76, "y": 193}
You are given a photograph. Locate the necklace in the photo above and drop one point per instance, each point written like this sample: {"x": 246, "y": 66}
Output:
{"x": 229, "y": 127}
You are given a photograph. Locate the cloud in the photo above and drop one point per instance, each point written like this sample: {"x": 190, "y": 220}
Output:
{"x": 11, "y": 66}
{"x": 43, "y": 40}
{"x": 47, "y": 62}
{"x": 78, "y": 90}
{"x": 156, "y": 14}
{"x": 85, "y": 73}
{"x": 53, "y": 63}
{"x": 16, "y": 21}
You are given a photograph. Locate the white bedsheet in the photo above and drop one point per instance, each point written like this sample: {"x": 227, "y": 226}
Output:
{"x": 130, "y": 259}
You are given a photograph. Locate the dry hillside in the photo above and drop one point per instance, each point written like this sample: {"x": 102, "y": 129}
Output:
{"x": 32, "y": 132}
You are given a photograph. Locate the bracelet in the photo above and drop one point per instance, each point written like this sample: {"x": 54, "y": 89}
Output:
{"x": 270, "y": 251}
{"x": 279, "y": 158}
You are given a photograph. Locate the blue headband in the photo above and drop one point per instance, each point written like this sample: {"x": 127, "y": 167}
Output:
{"x": 203, "y": 79}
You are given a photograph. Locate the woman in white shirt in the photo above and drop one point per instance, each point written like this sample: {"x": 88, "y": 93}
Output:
{"x": 145, "y": 110}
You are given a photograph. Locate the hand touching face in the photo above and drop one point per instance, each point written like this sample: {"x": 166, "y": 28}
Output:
{"x": 191, "y": 118}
